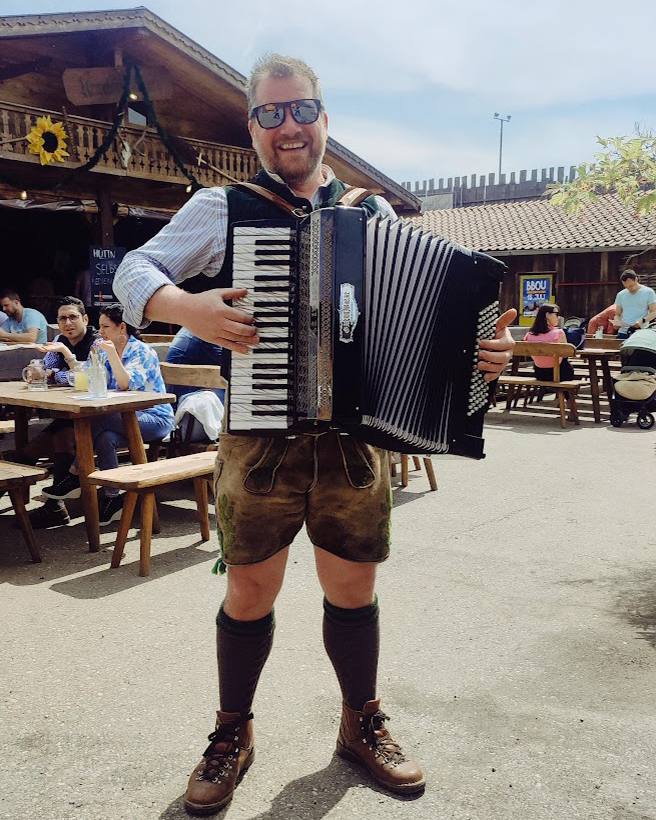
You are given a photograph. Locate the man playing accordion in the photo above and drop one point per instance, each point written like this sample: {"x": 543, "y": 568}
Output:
{"x": 267, "y": 488}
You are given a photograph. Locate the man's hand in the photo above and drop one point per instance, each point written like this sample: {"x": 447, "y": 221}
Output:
{"x": 495, "y": 354}
{"x": 56, "y": 347}
{"x": 206, "y": 315}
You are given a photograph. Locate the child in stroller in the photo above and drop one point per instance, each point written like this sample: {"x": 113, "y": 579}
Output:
{"x": 635, "y": 384}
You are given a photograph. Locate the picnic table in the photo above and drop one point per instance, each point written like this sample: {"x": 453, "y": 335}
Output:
{"x": 64, "y": 402}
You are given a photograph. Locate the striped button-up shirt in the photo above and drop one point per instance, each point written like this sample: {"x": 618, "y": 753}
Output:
{"x": 193, "y": 242}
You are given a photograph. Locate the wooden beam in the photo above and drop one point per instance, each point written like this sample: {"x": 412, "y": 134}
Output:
{"x": 106, "y": 213}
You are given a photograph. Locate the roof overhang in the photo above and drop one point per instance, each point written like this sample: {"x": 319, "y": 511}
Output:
{"x": 349, "y": 166}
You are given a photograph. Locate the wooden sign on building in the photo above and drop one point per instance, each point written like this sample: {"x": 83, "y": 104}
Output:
{"x": 99, "y": 86}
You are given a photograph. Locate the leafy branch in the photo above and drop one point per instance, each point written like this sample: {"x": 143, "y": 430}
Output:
{"x": 626, "y": 166}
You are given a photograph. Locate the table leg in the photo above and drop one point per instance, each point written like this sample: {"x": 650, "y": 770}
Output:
{"x": 86, "y": 465}
{"x": 21, "y": 421}
{"x": 608, "y": 382}
{"x": 594, "y": 388}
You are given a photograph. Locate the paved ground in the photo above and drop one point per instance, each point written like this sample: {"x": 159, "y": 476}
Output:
{"x": 518, "y": 658}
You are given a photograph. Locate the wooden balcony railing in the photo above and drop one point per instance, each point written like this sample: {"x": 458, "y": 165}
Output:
{"x": 136, "y": 152}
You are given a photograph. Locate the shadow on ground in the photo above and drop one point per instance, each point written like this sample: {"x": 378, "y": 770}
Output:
{"x": 311, "y": 797}
{"x": 65, "y": 551}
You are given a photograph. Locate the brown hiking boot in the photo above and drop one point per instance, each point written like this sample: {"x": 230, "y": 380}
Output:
{"x": 364, "y": 740}
{"x": 230, "y": 753}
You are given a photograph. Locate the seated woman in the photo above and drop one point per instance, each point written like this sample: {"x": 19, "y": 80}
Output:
{"x": 131, "y": 365}
{"x": 545, "y": 329}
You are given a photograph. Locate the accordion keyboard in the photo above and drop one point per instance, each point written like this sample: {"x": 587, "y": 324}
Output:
{"x": 260, "y": 382}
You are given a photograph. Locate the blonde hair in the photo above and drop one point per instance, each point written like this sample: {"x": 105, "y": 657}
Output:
{"x": 280, "y": 68}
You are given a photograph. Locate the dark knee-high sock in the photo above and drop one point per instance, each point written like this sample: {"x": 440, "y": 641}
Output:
{"x": 352, "y": 641}
{"x": 242, "y": 648}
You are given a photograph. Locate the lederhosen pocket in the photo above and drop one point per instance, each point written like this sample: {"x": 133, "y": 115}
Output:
{"x": 261, "y": 477}
{"x": 359, "y": 468}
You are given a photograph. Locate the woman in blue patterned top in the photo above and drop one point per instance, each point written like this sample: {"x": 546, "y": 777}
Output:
{"x": 131, "y": 365}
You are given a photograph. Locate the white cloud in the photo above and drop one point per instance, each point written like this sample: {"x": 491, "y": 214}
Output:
{"x": 404, "y": 155}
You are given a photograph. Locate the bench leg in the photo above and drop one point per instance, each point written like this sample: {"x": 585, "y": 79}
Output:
{"x": 147, "y": 508}
{"x": 157, "y": 528}
{"x": 417, "y": 462}
{"x": 16, "y": 495}
{"x": 561, "y": 405}
{"x": 200, "y": 488}
{"x": 430, "y": 472}
{"x": 509, "y": 398}
{"x": 571, "y": 400}
{"x": 405, "y": 479}
{"x": 129, "y": 503}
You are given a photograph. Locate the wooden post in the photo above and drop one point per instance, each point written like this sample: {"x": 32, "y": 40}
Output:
{"x": 106, "y": 213}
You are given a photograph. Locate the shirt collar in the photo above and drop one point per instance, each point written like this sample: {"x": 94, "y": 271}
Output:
{"x": 328, "y": 176}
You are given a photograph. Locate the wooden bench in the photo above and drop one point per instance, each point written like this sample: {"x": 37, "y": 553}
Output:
{"x": 6, "y": 427}
{"x": 200, "y": 377}
{"x": 404, "y": 461}
{"x": 142, "y": 480}
{"x": 15, "y": 479}
{"x": 557, "y": 351}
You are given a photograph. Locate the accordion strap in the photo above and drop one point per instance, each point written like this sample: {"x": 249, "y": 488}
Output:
{"x": 350, "y": 198}
{"x": 353, "y": 197}
{"x": 258, "y": 190}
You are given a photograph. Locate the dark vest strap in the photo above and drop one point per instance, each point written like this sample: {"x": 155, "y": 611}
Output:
{"x": 354, "y": 196}
{"x": 258, "y": 190}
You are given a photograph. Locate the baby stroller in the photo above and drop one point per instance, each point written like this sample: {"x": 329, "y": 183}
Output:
{"x": 635, "y": 385}
{"x": 574, "y": 328}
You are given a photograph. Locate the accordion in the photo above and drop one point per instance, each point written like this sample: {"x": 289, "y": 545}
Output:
{"x": 367, "y": 325}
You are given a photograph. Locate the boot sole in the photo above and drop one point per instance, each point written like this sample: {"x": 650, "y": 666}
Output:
{"x": 196, "y": 808}
{"x": 400, "y": 788}
{"x": 76, "y": 493}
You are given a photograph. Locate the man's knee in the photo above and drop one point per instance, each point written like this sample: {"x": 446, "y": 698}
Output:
{"x": 253, "y": 589}
{"x": 346, "y": 584}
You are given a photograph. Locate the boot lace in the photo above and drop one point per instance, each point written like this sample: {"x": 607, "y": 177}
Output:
{"x": 381, "y": 742}
{"x": 221, "y": 755}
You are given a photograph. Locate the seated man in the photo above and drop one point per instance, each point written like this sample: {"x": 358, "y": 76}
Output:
{"x": 636, "y": 305}
{"x": 23, "y": 324}
{"x": 189, "y": 349}
{"x": 57, "y": 440}
{"x": 603, "y": 320}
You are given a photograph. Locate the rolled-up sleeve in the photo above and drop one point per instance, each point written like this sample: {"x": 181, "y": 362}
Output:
{"x": 192, "y": 242}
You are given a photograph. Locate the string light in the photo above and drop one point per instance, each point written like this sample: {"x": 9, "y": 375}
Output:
{"x": 188, "y": 189}
{"x": 23, "y": 195}
{"x": 134, "y": 96}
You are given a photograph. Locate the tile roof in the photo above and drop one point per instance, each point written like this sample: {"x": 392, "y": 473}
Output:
{"x": 536, "y": 225}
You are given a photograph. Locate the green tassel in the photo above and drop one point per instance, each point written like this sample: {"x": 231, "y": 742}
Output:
{"x": 219, "y": 567}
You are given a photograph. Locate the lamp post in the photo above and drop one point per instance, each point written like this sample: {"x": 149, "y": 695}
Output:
{"x": 501, "y": 122}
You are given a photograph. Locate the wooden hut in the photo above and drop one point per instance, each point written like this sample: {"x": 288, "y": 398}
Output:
{"x": 147, "y": 116}
{"x": 586, "y": 254}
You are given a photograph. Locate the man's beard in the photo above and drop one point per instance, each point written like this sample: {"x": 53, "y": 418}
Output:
{"x": 298, "y": 174}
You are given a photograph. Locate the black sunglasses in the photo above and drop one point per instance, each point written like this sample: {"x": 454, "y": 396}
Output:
{"x": 557, "y": 312}
{"x": 271, "y": 115}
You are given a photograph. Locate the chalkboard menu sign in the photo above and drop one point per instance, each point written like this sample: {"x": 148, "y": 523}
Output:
{"x": 102, "y": 267}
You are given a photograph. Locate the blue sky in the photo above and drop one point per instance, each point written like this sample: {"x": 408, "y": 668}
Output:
{"x": 412, "y": 86}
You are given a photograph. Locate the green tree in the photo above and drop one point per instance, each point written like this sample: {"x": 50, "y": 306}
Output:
{"x": 626, "y": 166}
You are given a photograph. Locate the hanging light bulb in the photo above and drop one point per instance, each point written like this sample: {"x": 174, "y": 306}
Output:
{"x": 134, "y": 96}
{"x": 23, "y": 195}
{"x": 188, "y": 189}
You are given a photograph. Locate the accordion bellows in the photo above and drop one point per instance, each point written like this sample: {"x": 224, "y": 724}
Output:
{"x": 367, "y": 325}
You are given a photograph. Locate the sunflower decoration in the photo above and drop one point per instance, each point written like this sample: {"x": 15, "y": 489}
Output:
{"x": 48, "y": 140}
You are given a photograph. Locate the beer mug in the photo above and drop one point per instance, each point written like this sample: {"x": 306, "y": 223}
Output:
{"x": 35, "y": 375}
{"x": 78, "y": 377}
